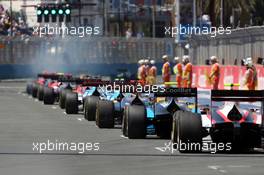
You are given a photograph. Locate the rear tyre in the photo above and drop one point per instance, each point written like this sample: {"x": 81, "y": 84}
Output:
{"x": 124, "y": 122}
{"x": 34, "y": 90}
{"x": 174, "y": 127}
{"x": 71, "y": 103}
{"x": 63, "y": 97}
{"x": 188, "y": 129}
{"x": 136, "y": 122}
{"x": 90, "y": 107}
{"x": 40, "y": 94}
{"x": 48, "y": 96}
{"x": 105, "y": 114}
{"x": 29, "y": 88}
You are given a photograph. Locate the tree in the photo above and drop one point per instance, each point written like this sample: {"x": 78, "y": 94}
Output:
{"x": 258, "y": 12}
{"x": 213, "y": 8}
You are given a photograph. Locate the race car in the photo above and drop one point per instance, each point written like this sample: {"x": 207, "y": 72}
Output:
{"x": 235, "y": 117}
{"x": 110, "y": 106}
{"x": 50, "y": 89}
{"x": 45, "y": 87}
{"x": 151, "y": 114}
{"x": 73, "y": 98}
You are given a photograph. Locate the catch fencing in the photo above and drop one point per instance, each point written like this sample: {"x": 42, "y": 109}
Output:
{"x": 24, "y": 56}
{"x": 74, "y": 50}
{"x": 230, "y": 49}
{"x": 31, "y": 50}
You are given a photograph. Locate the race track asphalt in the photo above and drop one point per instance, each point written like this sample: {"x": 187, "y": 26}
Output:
{"x": 24, "y": 121}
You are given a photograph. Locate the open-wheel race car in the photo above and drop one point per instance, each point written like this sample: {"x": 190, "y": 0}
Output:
{"x": 235, "y": 117}
{"x": 73, "y": 97}
{"x": 152, "y": 114}
{"x": 46, "y": 87}
{"x": 111, "y": 104}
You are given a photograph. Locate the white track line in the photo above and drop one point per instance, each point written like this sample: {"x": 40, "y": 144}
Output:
{"x": 217, "y": 168}
{"x": 122, "y": 136}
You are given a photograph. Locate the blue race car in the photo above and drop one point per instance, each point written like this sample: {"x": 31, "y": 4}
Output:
{"x": 152, "y": 114}
{"x": 73, "y": 97}
{"x": 111, "y": 103}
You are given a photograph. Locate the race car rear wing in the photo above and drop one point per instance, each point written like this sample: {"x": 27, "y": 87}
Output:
{"x": 94, "y": 81}
{"x": 237, "y": 95}
{"x": 54, "y": 76}
{"x": 84, "y": 81}
{"x": 179, "y": 92}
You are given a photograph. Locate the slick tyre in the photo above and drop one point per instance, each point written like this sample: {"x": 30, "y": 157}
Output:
{"x": 188, "y": 130}
{"x": 34, "y": 90}
{"x": 136, "y": 122}
{"x": 174, "y": 126}
{"x": 71, "y": 103}
{"x": 105, "y": 114}
{"x": 48, "y": 96}
{"x": 29, "y": 88}
{"x": 40, "y": 94}
{"x": 62, "y": 97}
{"x": 90, "y": 107}
{"x": 124, "y": 122}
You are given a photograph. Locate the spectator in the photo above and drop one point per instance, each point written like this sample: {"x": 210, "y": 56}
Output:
{"x": 18, "y": 28}
{"x": 128, "y": 33}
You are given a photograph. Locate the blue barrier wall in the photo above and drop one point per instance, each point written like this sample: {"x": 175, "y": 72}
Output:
{"x": 9, "y": 71}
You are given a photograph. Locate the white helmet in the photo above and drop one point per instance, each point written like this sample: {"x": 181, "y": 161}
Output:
{"x": 146, "y": 61}
{"x": 165, "y": 57}
{"x": 152, "y": 62}
{"x": 249, "y": 62}
{"x": 141, "y": 62}
{"x": 213, "y": 58}
{"x": 177, "y": 59}
{"x": 186, "y": 58}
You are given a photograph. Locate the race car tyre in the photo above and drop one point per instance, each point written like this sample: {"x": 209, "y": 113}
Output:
{"x": 189, "y": 131}
{"x": 105, "y": 114}
{"x": 136, "y": 122}
{"x": 48, "y": 96}
{"x": 71, "y": 103}
{"x": 124, "y": 122}
{"x": 63, "y": 97}
{"x": 90, "y": 107}
{"x": 29, "y": 88}
{"x": 40, "y": 92}
{"x": 174, "y": 130}
{"x": 34, "y": 90}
